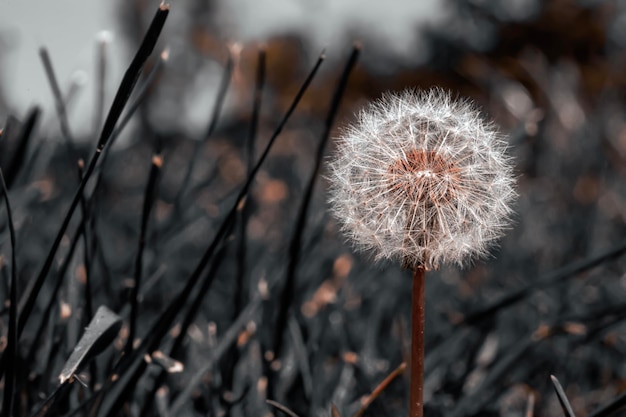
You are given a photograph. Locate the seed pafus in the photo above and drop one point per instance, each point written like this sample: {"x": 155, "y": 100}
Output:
{"x": 423, "y": 179}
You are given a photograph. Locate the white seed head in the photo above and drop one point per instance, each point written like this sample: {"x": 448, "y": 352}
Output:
{"x": 423, "y": 179}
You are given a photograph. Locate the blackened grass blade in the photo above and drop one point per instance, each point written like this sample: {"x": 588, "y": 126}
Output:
{"x": 121, "y": 98}
{"x": 48, "y": 406}
{"x": 53, "y": 295}
{"x": 163, "y": 323}
{"x": 611, "y": 407}
{"x": 132, "y": 108}
{"x": 8, "y": 400}
{"x": 157, "y": 163}
{"x": 217, "y": 110}
{"x": 86, "y": 246}
{"x": 565, "y": 404}
{"x": 551, "y": 279}
{"x": 59, "y": 103}
{"x": 26, "y": 133}
{"x": 287, "y": 293}
{"x": 100, "y": 333}
{"x": 244, "y": 212}
{"x": 87, "y": 257}
{"x": 104, "y": 40}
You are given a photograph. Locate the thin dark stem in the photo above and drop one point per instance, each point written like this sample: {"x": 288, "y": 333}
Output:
{"x": 215, "y": 116}
{"x": 157, "y": 162}
{"x": 17, "y": 159}
{"x": 287, "y": 294}
{"x": 9, "y": 383}
{"x": 416, "y": 403}
{"x": 59, "y": 103}
{"x": 101, "y": 66}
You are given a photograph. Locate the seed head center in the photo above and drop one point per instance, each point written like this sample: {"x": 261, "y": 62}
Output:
{"x": 425, "y": 177}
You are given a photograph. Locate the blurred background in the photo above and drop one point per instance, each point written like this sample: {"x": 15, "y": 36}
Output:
{"x": 550, "y": 300}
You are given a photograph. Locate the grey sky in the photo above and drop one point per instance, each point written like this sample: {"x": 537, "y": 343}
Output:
{"x": 69, "y": 28}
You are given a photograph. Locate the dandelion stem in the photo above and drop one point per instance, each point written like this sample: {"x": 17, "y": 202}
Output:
{"x": 416, "y": 404}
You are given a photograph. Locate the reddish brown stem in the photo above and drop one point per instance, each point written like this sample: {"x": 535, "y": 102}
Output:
{"x": 416, "y": 404}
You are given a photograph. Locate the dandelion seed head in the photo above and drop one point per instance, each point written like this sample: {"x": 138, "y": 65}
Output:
{"x": 423, "y": 179}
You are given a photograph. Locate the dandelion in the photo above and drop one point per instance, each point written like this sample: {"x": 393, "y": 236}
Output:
{"x": 422, "y": 179}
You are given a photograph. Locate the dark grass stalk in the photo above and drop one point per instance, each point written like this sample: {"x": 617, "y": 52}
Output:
{"x": 380, "y": 388}
{"x": 163, "y": 323}
{"x": 142, "y": 92}
{"x": 48, "y": 406}
{"x": 121, "y": 98}
{"x": 59, "y": 104}
{"x": 8, "y": 400}
{"x": 287, "y": 294}
{"x": 101, "y": 73}
{"x": 301, "y": 356}
{"x": 72, "y": 91}
{"x": 244, "y": 213}
{"x": 416, "y": 393}
{"x": 565, "y": 404}
{"x": 241, "y": 290}
{"x": 215, "y": 115}
{"x": 86, "y": 248}
{"x": 87, "y": 257}
{"x": 17, "y": 159}
{"x": 149, "y": 196}
{"x": 547, "y": 281}
{"x": 93, "y": 199}
{"x": 53, "y": 295}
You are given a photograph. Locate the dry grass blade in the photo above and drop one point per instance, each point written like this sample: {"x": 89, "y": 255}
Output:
{"x": 530, "y": 406}
{"x": 567, "y": 407}
{"x": 281, "y": 408}
{"x": 333, "y": 411}
{"x": 380, "y": 388}
{"x": 101, "y": 331}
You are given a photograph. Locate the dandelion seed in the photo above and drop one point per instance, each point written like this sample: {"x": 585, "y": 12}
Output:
{"x": 422, "y": 179}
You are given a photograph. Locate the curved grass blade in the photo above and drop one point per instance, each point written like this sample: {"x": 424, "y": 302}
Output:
{"x": 565, "y": 405}
{"x": 102, "y": 329}
{"x": 282, "y": 408}
{"x": 59, "y": 103}
{"x": 157, "y": 163}
{"x": 8, "y": 400}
